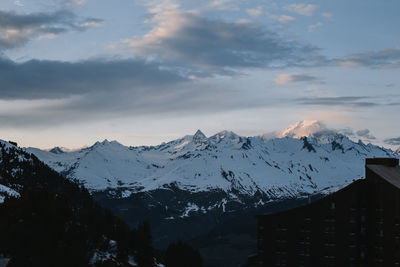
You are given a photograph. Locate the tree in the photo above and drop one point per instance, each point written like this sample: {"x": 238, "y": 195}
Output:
{"x": 142, "y": 245}
{"x": 182, "y": 255}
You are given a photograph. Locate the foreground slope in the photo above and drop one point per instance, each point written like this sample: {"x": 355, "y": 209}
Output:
{"x": 47, "y": 220}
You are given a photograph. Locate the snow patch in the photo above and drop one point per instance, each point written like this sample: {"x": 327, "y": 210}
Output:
{"x": 6, "y": 191}
{"x": 132, "y": 261}
{"x": 190, "y": 207}
{"x": 126, "y": 193}
{"x": 181, "y": 145}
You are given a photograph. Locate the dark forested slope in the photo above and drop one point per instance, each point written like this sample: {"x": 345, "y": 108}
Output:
{"x": 47, "y": 220}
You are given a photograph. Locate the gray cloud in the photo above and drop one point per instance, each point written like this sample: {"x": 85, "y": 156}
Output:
{"x": 347, "y": 131}
{"x": 393, "y": 141}
{"x": 354, "y": 101}
{"x": 42, "y": 93}
{"x": 362, "y": 132}
{"x": 366, "y": 134}
{"x": 303, "y": 78}
{"x": 17, "y": 29}
{"x": 292, "y": 78}
{"x": 213, "y": 46}
{"x": 302, "y": 9}
{"x": 54, "y": 79}
{"x": 158, "y": 101}
{"x": 387, "y": 58}
{"x": 73, "y": 3}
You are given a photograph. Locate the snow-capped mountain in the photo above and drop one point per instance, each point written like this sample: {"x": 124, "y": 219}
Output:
{"x": 307, "y": 159}
{"x": 303, "y": 128}
{"x": 206, "y": 183}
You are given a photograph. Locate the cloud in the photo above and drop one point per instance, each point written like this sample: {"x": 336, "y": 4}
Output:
{"x": 53, "y": 79}
{"x": 302, "y": 9}
{"x": 327, "y": 15}
{"x": 17, "y": 29}
{"x": 216, "y": 47}
{"x": 91, "y": 23}
{"x": 362, "y": 132}
{"x": 285, "y": 19}
{"x": 254, "y": 12}
{"x": 393, "y": 141}
{"x": 156, "y": 7}
{"x": 315, "y": 26}
{"x": 18, "y": 3}
{"x": 365, "y": 133}
{"x": 347, "y": 131}
{"x": 352, "y": 101}
{"x": 387, "y": 58}
{"x": 291, "y": 78}
{"x": 49, "y": 93}
{"x": 222, "y": 5}
{"x": 74, "y": 3}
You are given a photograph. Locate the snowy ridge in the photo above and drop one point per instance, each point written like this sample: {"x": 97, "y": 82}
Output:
{"x": 279, "y": 167}
{"x": 7, "y": 145}
{"x": 5, "y": 191}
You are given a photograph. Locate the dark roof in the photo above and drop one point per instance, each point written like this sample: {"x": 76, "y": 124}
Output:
{"x": 392, "y": 162}
{"x": 390, "y": 173}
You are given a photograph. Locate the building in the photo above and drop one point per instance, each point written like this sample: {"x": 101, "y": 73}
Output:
{"x": 357, "y": 226}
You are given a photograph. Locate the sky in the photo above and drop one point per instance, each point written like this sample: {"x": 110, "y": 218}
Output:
{"x": 73, "y": 72}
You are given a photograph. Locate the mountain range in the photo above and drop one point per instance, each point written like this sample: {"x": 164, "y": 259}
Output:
{"x": 207, "y": 190}
{"x": 291, "y": 165}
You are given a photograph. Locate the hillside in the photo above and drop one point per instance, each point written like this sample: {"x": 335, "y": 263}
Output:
{"x": 47, "y": 220}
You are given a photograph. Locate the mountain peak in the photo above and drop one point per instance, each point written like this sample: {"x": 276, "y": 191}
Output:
{"x": 199, "y": 135}
{"x": 106, "y": 142}
{"x": 303, "y": 128}
{"x": 56, "y": 150}
{"x": 227, "y": 134}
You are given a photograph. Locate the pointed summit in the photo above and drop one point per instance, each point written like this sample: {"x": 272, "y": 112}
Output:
{"x": 56, "y": 150}
{"x": 105, "y": 142}
{"x": 198, "y": 136}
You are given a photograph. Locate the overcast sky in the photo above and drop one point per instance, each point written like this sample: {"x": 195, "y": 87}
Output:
{"x": 76, "y": 71}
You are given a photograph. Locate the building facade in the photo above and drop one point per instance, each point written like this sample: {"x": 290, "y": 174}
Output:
{"x": 357, "y": 226}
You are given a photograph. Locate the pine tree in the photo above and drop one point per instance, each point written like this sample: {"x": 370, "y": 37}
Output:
{"x": 182, "y": 255}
